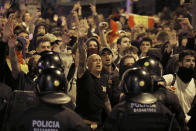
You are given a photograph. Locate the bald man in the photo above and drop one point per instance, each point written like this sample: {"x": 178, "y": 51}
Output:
{"x": 94, "y": 64}
{"x": 91, "y": 100}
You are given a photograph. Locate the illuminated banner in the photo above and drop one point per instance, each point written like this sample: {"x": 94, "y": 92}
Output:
{"x": 138, "y": 20}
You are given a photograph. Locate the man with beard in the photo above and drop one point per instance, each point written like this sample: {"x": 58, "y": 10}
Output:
{"x": 185, "y": 87}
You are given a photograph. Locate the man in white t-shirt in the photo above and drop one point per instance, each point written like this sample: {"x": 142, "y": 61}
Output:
{"x": 184, "y": 83}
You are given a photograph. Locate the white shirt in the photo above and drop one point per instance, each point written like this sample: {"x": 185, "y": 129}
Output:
{"x": 184, "y": 91}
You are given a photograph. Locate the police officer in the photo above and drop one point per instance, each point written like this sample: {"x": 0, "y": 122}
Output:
{"x": 51, "y": 114}
{"x": 167, "y": 97}
{"x": 141, "y": 110}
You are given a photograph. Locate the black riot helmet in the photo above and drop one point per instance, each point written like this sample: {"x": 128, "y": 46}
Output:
{"x": 51, "y": 80}
{"x": 153, "y": 66}
{"x": 49, "y": 59}
{"x": 52, "y": 86}
{"x": 135, "y": 82}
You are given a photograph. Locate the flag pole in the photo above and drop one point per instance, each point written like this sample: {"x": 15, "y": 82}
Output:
{"x": 129, "y": 6}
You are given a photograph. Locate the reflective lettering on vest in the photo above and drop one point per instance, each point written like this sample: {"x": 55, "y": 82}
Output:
{"x": 45, "y": 125}
{"x": 143, "y": 107}
{"x": 40, "y": 129}
{"x": 50, "y": 124}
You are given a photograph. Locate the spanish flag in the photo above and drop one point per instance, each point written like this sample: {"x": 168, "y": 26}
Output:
{"x": 112, "y": 35}
{"x": 138, "y": 20}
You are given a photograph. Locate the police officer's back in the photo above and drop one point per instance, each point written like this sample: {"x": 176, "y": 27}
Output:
{"x": 50, "y": 114}
{"x": 166, "y": 97}
{"x": 141, "y": 110}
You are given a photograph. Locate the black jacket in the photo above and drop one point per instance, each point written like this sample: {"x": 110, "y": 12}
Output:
{"x": 46, "y": 116}
{"x": 131, "y": 116}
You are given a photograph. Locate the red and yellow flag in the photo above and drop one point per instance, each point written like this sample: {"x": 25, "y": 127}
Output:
{"x": 138, "y": 20}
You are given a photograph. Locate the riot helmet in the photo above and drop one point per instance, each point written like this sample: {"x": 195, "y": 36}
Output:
{"x": 136, "y": 81}
{"x": 153, "y": 66}
{"x": 51, "y": 80}
{"x": 49, "y": 59}
{"x": 52, "y": 87}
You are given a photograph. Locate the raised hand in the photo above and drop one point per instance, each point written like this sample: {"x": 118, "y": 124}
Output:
{"x": 76, "y": 6}
{"x": 83, "y": 28}
{"x": 8, "y": 29}
{"x": 93, "y": 9}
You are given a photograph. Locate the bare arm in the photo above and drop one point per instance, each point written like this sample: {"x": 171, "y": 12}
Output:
{"x": 7, "y": 30}
{"x": 101, "y": 26}
{"x": 80, "y": 10}
{"x": 76, "y": 18}
{"x": 82, "y": 32}
{"x": 8, "y": 36}
{"x": 82, "y": 58}
{"x": 13, "y": 57}
{"x": 69, "y": 19}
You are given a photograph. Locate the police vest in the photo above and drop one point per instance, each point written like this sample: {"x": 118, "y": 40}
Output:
{"x": 147, "y": 117}
{"x": 21, "y": 101}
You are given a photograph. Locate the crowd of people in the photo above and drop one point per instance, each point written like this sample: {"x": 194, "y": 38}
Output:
{"x": 95, "y": 73}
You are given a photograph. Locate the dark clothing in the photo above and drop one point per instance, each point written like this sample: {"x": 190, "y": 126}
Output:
{"x": 21, "y": 101}
{"x": 170, "y": 100}
{"x": 117, "y": 60}
{"x": 169, "y": 63}
{"x": 90, "y": 97}
{"x": 49, "y": 117}
{"x": 22, "y": 82}
{"x": 172, "y": 65}
{"x": 111, "y": 82}
{"x": 26, "y": 100}
{"x": 192, "y": 113}
{"x": 5, "y": 96}
{"x": 26, "y": 82}
{"x": 140, "y": 117}
{"x": 5, "y": 73}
